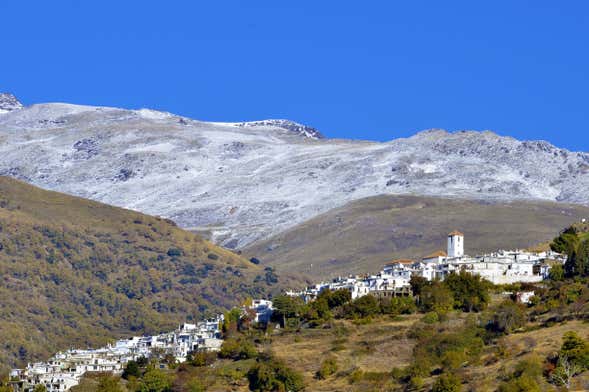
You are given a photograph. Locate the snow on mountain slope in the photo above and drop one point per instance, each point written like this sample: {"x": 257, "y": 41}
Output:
{"x": 246, "y": 181}
{"x": 8, "y": 103}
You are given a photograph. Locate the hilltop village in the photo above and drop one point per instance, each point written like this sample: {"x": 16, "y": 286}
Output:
{"x": 501, "y": 267}
{"x": 65, "y": 369}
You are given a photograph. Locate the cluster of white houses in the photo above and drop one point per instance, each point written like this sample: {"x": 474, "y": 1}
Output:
{"x": 502, "y": 267}
{"x": 65, "y": 369}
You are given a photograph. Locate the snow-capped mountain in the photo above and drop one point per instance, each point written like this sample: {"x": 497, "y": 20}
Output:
{"x": 246, "y": 181}
{"x": 8, "y": 103}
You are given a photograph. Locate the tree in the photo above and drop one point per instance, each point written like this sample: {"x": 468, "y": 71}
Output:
{"x": 286, "y": 307}
{"x": 155, "y": 380}
{"x": 417, "y": 284}
{"x": 447, "y": 383}
{"x": 566, "y": 242}
{"x": 470, "y": 291}
{"x": 557, "y": 272}
{"x": 364, "y": 306}
{"x": 575, "y": 349}
{"x": 131, "y": 370}
{"x": 577, "y": 263}
{"x": 40, "y": 388}
{"x": 336, "y": 298}
{"x": 437, "y": 298}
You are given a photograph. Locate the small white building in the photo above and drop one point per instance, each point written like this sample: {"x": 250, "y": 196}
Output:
{"x": 263, "y": 310}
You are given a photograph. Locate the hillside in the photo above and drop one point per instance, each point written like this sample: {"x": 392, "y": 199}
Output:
{"x": 76, "y": 273}
{"x": 361, "y": 236}
{"x": 244, "y": 182}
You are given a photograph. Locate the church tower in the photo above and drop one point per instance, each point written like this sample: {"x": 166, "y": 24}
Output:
{"x": 455, "y": 244}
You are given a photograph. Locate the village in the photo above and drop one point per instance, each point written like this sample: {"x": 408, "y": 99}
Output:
{"x": 65, "y": 369}
{"x": 501, "y": 267}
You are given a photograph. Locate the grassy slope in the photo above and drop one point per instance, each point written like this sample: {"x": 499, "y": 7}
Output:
{"x": 378, "y": 347}
{"x": 75, "y": 273}
{"x": 363, "y": 235}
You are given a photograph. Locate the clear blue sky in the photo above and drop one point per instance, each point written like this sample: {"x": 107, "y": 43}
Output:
{"x": 356, "y": 69}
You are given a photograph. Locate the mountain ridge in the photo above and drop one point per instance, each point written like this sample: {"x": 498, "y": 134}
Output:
{"x": 244, "y": 184}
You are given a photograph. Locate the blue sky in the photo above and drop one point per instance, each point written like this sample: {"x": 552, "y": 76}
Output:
{"x": 367, "y": 70}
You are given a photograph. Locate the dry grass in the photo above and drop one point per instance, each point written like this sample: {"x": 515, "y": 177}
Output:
{"x": 363, "y": 235}
{"x": 374, "y": 347}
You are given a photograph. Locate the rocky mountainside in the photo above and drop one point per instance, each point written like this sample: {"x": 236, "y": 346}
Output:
{"x": 243, "y": 182}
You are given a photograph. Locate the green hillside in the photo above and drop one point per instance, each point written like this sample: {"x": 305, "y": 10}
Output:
{"x": 76, "y": 273}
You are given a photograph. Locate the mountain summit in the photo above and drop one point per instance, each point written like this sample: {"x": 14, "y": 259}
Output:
{"x": 8, "y": 103}
{"x": 242, "y": 182}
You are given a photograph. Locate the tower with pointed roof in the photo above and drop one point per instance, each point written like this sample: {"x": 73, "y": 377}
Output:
{"x": 455, "y": 244}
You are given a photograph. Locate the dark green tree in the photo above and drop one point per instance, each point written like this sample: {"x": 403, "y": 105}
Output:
{"x": 131, "y": 370}
{"x": 577, "y": 263}
{"x": 470, "y": 291}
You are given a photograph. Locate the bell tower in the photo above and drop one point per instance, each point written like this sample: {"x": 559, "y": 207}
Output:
{"x": 455, "y": 244}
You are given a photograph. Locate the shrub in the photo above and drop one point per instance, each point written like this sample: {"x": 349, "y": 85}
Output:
{"x": 274, "y": 375}
{"x": 155, "y": 380}
{"x": 506, "y": 318}
{"x": 202, "y": 358}
{"x": 174, "y": 252}
{"x": 108, "y": 383}
{"x": 430, "y": 318}
{"x": 328, "y": 367}
{"x": 447, "y": 383}
{"x": 237, "y": 349}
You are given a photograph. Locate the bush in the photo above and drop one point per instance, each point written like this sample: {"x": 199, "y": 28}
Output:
{"x": 447, "y": 383}
{"x": 506, "y": 318}
{"x": 431, "y": 318}
{"x": 108, "y": 383}
{"x": 237, "y": 349}
{"x": 328, "y": 367}
{"x": 201, "y": 358}
{"x": 274, "y": 375}
{"x": 155, "y": 380}
{"x": 525, "y": 378}
{"x": 174, "y": 252}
